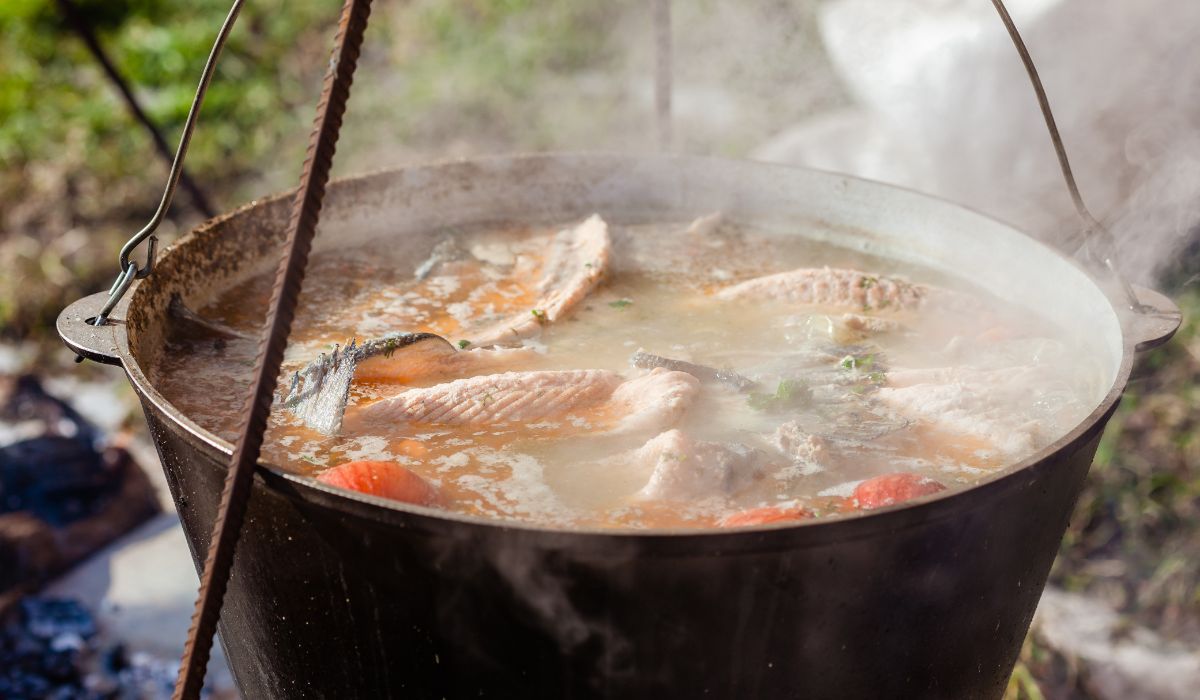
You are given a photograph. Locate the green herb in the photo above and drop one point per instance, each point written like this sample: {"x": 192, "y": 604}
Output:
{"x": 760, "y": 402}
{"x": 864, "y": 363}
{"x": 789, "y": 394}
{"x": 588, "y": 265}
{"x": 877, "y": 377}
{"x": 389, "y": 347}
{"x": 464, "y": 344}
{"x": 539, "y": 315}
{"x": 620, "y": 303}
{"x": 867, "y": 282}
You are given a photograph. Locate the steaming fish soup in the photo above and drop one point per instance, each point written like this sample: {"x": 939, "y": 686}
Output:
{"x": 681, "y": 375}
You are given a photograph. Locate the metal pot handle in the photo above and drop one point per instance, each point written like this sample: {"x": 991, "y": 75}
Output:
{"x": 76, "y": 326}
{"x": 1155, "y": 320}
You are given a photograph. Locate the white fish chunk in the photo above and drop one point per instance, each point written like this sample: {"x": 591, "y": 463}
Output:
{"x": 683, "y": 469}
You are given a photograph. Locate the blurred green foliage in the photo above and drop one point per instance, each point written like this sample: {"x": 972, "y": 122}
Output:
{"x": 53, "y": 97}
{"x": 78, "y": 175}
{"x": 1133, "y": 538}
{"x": 493, "y": 70}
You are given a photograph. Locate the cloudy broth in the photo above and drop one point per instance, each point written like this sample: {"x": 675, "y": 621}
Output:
{"x": 952, "y": 393}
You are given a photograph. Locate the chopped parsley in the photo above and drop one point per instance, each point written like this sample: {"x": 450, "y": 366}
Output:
{"x": 389, "y": 347}
{"x": 539, "y": 315}
{"x": 620, "y": 303}
{"x": 864, "y": 363}
{"x": 865, "y": 376}
{"x": 464, "y": 344}
{"x": 789, "y": 394}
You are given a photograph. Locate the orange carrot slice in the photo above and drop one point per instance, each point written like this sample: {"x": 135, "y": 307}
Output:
{"x": 891, "y": 489}
{"x": 384, "y": 479}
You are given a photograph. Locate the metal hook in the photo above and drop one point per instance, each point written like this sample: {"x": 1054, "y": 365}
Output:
{"x": 151, "y": 256}
{"x": 124, "y": 280}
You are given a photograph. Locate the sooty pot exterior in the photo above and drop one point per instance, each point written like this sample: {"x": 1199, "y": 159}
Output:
{"x": 336, "y": 595}
{"x": 330, "y": 599}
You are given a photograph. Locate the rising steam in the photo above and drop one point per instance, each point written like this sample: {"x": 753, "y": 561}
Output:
{"x": 944, "y": 106}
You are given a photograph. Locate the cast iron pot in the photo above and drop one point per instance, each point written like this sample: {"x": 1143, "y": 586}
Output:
{"x": 340, "y": 595}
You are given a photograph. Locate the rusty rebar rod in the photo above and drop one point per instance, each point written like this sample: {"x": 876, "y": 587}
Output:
{"x": 79, "y": 24}
{"x": 306, "y": 209}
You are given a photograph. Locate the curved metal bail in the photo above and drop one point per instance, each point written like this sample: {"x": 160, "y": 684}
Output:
{"x": 1098, "y": 242}
{"x": 125, "y": 264}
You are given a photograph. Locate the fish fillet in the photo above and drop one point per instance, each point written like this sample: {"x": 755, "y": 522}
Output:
{"x": 413, "y": 367}
{"x": 578, "y": 259}
{"x": 595, "y": 399}
{"x": 838, "y": 288}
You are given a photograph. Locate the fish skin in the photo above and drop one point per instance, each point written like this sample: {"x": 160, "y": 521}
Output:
{"x": 579, "y": 259}
{"x": 645, "y": 360}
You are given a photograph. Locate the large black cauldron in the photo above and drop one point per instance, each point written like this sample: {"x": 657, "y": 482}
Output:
{"x": 345, "y": 596}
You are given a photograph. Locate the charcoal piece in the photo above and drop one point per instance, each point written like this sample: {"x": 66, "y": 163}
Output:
{"x": 58, "y": 479}
{"x": 24, "y": 399}
{"x": 49, "y": 618}
{"x": 62, "y": 497}
{"x": 43, "y": 648}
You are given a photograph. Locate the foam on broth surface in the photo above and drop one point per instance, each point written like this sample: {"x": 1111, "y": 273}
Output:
{"x": 881, "y": 403}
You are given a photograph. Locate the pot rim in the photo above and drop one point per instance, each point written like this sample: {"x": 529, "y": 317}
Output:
{"x": 862, "y": 523}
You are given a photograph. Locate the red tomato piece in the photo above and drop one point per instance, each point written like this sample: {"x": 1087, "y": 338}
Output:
{"x": 765, "y": 515}
{"x": 891, "y": 489}
{"x": 384, "y": 479}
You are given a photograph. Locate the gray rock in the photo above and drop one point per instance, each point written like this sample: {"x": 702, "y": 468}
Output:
{"x": 1119, "y": 663}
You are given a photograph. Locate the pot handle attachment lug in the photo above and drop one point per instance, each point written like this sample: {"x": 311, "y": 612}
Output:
{"x": 1154, "y": 322}
{"x": 97, "y": 343}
